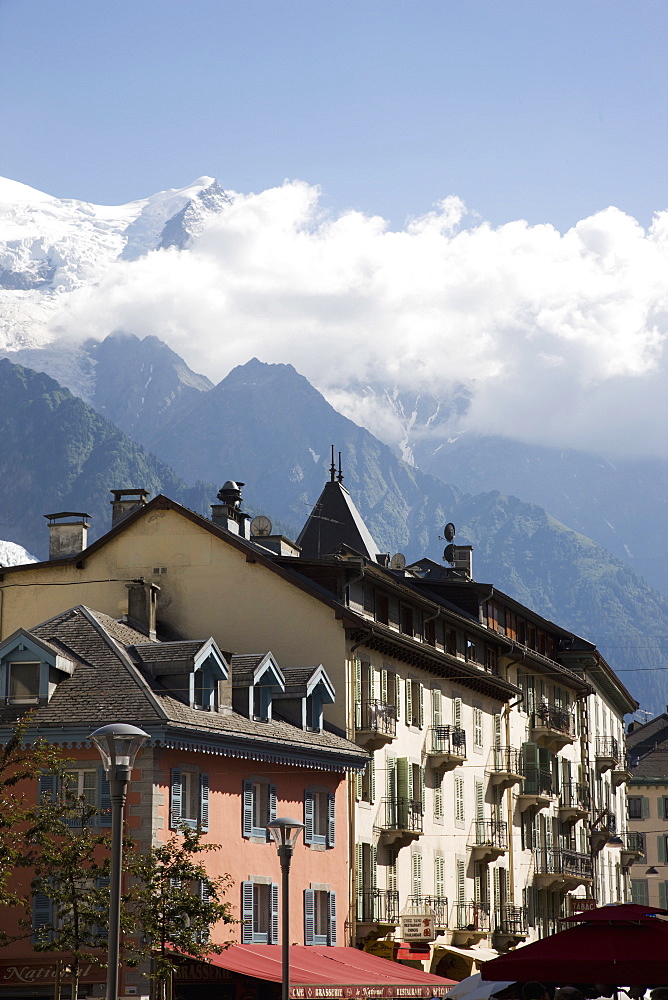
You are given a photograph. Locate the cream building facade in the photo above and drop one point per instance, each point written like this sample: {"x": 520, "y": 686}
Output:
{"x": 494, "y": 800}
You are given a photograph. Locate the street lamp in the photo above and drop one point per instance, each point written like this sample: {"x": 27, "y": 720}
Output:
{"x": 118, "y": 745}
{"x": 285, "y": 833}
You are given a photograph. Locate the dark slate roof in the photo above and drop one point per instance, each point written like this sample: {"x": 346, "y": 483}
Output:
{"x": 166, "y": 652}
{"x": 647, "y": 747}
{"x": 107, "y": 686}
{"x": 336, "y": 521}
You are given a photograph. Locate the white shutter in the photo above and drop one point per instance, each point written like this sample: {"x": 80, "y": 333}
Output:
{"x": 436, "y": 708}
{"x": 439, "y": 876}
{"x": 457, "y": 712}
{"x": 479, "y": 800}
{"x": 459, "y": 799}
{"x": 461, "y": 881}
{"x": 416, "y": 874}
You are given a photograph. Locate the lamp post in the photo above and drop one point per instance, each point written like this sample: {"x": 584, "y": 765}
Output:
{"x": 285, "y": 833}
{"x": 118, "y": 745}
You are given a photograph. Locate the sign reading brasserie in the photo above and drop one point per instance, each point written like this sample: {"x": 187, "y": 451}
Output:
{"x": 364, "y": 992}
{"x": 418, "y": 927}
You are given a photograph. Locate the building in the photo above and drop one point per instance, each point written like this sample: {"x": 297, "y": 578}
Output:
{"x": 648, "y": 810}
{"x": 234, "y": 742}
{"x": 492, "y": 804}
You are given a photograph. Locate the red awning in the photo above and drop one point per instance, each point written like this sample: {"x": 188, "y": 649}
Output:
{"x": 413, "y": 952}
{"x": 616, "y": 952}
{"x": 327, "y": 966}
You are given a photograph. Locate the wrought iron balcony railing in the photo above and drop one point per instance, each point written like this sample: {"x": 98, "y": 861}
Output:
{"x": 434, "y": 904}
{"x": 490, "y": 832}
{"x": 634, "y": 841}
{"x": 471, "y": 916}
{"x": 561, "y": 861}
{"x": 510, "y": 919}
{"x": 378, "y": 906}
{"x": 575, "y": 795}
{"x": 401, "y": 814}
{"x": 376, "y": 717}
{"x": 551, "y": 717}
{"x": 446, "y": 740}
{"x": 506, "y": 760}
{"x": 607, "y": 748}
{"x": 538, "y": 781}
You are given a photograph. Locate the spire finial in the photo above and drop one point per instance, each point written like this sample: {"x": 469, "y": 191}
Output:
{"x": 332, "y": 470}
{"x": 340, "y": 475}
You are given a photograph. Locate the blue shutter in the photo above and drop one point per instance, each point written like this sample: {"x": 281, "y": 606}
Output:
{"x": 176, "y": 804}
{"x": 247, "y": 912}
{"x": 273, "y": 923}
{"x": 331, "y": 820}
{"x": 48, "y": 788}
{"x": 273, "y": 808}
{"x": 661, "y": 848}
{"x": 247, "y": 828}
{"x": 309, "y": 916}
{"x": 332, "y": 918}
{"x": 204, "y": 802}
{"x": 309, "y": 805}
{"x": 42, "y": 918}
{"x": 104, "y": 799}
{"x": 645, "y": 807}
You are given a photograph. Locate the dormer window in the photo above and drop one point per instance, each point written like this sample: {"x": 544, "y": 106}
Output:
{"x": 256, "y": 680}
{"x": 262, "y": 702}
{"x": 191, "y": 671}
{"x": 23, "y": 683}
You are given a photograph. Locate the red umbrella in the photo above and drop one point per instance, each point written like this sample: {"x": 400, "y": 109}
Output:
{"x": 621, "y": 945}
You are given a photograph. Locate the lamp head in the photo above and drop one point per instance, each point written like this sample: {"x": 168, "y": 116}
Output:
{"x": 118, "y": 746}
{"x": 285, "y": 831}
{"x": 652, "y": 872}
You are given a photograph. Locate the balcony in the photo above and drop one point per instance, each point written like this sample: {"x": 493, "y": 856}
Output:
{"x": 560, "y": 868}
{"x": 446, "y": 746}
{"x": 375, "y": 724}
{"x": 603, "y": 827}
{"x": 428, "y": 905}
{"x": 377, "y": 908}
{"x": 510, "y": 925}
{"x": 552, "y": 727}
{"x": 633, "y": 848}
{"x": 538, "y": 789}
{"x": 399, "y": 821}
{"x": 621, "y": 773}
{"x": 471, "y": 923}
{"x": 574, "y": 802}
{"x": 490, "y": 840}
{"x": 607, "y": 753}
{"x": 506, "y": 768}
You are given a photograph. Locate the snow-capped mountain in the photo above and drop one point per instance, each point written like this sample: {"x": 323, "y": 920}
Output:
{"x": 12, "y": 554}
{"x": 49, "y": 246}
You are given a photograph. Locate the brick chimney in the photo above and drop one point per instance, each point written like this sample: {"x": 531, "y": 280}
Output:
{"x": 124, "y": 502}
{"x": 228, "y": 514}
{"x": 67, "y": 537}
{"x": 143, "y": 606}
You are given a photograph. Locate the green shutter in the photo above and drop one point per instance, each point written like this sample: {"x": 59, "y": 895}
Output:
{"x": 404, "y": 777}
{"x": 645, "y": 807}
{"x": 397, "y": 695}
{"x": 409, "y": 702}
{"x": 383, "y": 686}
{"x": 436, "y": 708}
{"x": 661, "y": 848}
{"x": 420, "y": 705}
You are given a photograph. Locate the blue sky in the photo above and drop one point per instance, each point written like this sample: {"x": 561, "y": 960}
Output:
{"x": 535, "y": 110}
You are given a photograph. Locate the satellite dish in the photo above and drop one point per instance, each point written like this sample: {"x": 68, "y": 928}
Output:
{"x": 260, "y": 526}
{"x": 449, "y": 553}
{"x": 449, "y": 531}
{"x": 398, "y": 561}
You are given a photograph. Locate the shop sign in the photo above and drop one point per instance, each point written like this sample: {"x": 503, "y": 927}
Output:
{"x": 418, "y": 928}
{"x": 31, "y": 973}
{"x": 365, "y": 992}
{"x": 201, "y": 972}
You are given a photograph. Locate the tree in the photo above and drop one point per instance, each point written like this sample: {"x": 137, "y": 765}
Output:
{"x": 173, "y": 903}
{"x": 70, "y": 885}
{"x": 22, "y": 821}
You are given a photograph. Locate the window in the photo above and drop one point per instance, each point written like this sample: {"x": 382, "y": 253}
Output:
{"x": 319, "y": 917}
{"x": 259, "y": 906}
{"x": 639, "y": 892}
{"x": 87, "y": 784}
{"x": 407, "y": 626}
{"x": 23, "y": 684}
{"x": 382, "y": 609}
{"x": 635, "y": 806}
{"x": 459, "y": 800}
{"x": 414, "y": 703}
{"x": 470, "y": 653}
{"x": 665, "y": 807}
{"x": 261, "y": 702}
{"x": 259, "y": 808}
{"x": 189, "y": 799}
{"x": 319, "y": 817}
{"x": 452, "y": 642}
{"x": 477, "y": 729}
{"x": 430, "y": 632}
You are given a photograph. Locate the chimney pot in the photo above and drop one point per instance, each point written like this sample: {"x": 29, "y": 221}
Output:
{"x": 67, "y": 537}
{"x": 124, "y": 502}
{"x": 143, "y": 606}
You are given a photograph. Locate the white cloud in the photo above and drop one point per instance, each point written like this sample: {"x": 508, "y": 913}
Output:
{"x": 561, "y": 337}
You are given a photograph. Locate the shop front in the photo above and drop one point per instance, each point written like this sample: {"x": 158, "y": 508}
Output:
{"x": 36, "y": 979}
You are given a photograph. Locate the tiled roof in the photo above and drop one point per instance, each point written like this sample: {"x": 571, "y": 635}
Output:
{"x": 166, "y": 652}
{"x": 243, "y": 667}
{"x": 107, "y": 686}
{"x": 648, "y": 749}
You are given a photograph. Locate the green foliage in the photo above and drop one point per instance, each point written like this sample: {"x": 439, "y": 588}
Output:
{"x": 173, "y": 902}
{"x": 22, "y": 760}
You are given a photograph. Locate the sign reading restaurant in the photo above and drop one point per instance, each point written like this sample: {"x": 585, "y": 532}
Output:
{"x": 416, "y": 927}
{"x": 365, "y": 992}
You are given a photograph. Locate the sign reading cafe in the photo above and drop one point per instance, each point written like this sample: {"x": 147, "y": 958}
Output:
{"x": 365, "y": 992}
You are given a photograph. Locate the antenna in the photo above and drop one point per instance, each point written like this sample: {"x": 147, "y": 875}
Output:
{"x": 332, "y": 470}
{"x": 340, "y": 475}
